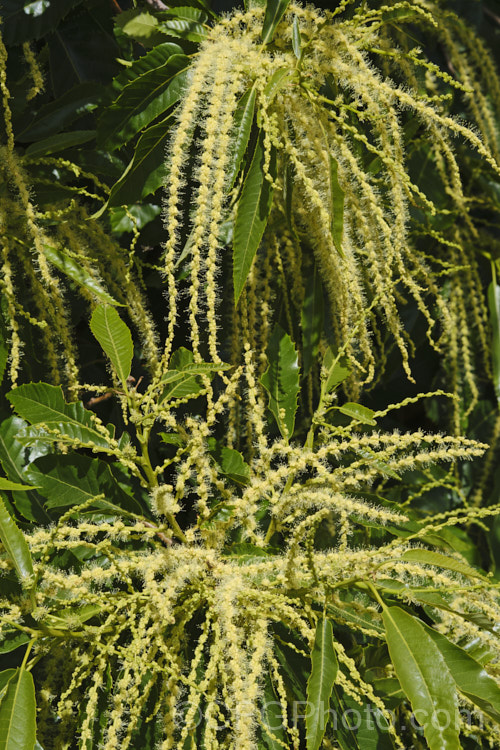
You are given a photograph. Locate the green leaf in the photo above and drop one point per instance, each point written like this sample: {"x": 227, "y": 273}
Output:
{"x": 43, "y": 403}
{"x": 424, "y": 677}
{"x": 14, "y": 461}
{"x": 470, "y": 677}
{"x": 115, "y": 338}
{"x": 54, "y": 144}
{"x": 231, "y": 463}
{"x": 357, "y": 412}
{"x": 311, "y": 318}
{"x": 336, "y": 372}
{"x": 281, "y": 380}
{"x": 141, "y": 26}
{"x": 494, "y": 306}
{"x": 429, "y": 557}
{"x": 6, "y": 484}
{"x": 180, "y": 385}
{"x": 70, "y": 268}
{"x": 12, "y": 639}
{"x": 296, "y": 38}
{"x": 5, "y": 677}
{"x": 324, "y": 668}
{"x": 18, "y": 713}
{"x": 153, "y": 59}
{"x": 275, "y": 10}
{"x": 146, "y": 171}
{"x": 279, "y": 78}
{"x": 243, "y": 119}
{"x": 73, "y": 479}
{"x": 252, "y": 214}
{"x": 184, "y": 22}
{"x": 273, "y": 734}
{"x": 15, "y": 545}
{"x": 143, "y": 100}
{"x": 337, "y": 206}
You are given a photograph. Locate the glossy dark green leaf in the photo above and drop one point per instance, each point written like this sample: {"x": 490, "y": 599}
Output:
{"x": 470, "y": 676}
{"x": 18, "y": 713}
{"x": 147, "y": 97}
{"x": 70, "y": 268}
{"x": 153, "y": 59}
{"x": 15, "y": 545}
{"x": 52, "y": 118}
{"x": 494, "y": 307}
{"x": 179, "y": 384}
{"x": 275, "y": 10}
{"x": 44, "y": 403}
{"x": 243, "y": 119}
{"x": 424, "y": 677}
{"x": 252, "y": 214}
{"x": 115, "y": 338}
{"x": 311, "y": 318}
{"x": 147, "y": 171}
{"x": 54, "y": 144}
{"x": 324, "y": 668}
{"x": 23, "y": 21}
{"x": 337, "y": 206}
{"x": 281, "y": 380}
{"x": 184, "y": 22}
{"x": 72, "y": 479}
{"x": 14, "y": 457}
{"x": 358, "y": 412}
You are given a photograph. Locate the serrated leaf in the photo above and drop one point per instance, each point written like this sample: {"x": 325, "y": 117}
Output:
{"x": 337, "y": 206}
{"x": 70, "y": 268}
{"x": 115, "y": 339}
{"x": 494, "y": 307}
{"x": 12, "y": 639}
{"x": 6, "y": 484}
{"x": 424, "y": 677}
{"x": 72, "y": 479}
{"x": 296, "y": 38}
{"x": 429, "y": 557}
{"x": 273, "y": 734}
{"x": 470, "y": 677}
{"x": 243, "y": 119}
{"x": 18, "y": 713}
{"x": 141, "y": 26}
{"x": 143, "y": 100}
{"x": 252, "y": 214}
{"x": 358, "y": 412}
{"x": 15, "y": 545}
{"x": 324, "y": 668}
{"x": 311, "y": 319}
{"x": 14, "y": 461}
{"x": 5, "y": 677}
{"x": 53, "y": 118}
{"x": 336, "y": 372}
{"x": 231, "y": 463}
{"x": 155, "y": 58}
{"x": 44, "y": 403}
{"x": 146, "y": 172}
{"x": 180, "y": 385}
{"x": 54, "y": 144}
{"x": 275, "y": 10}
{"x": 281, "y": 380}
{"x": 184, "y": 22}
